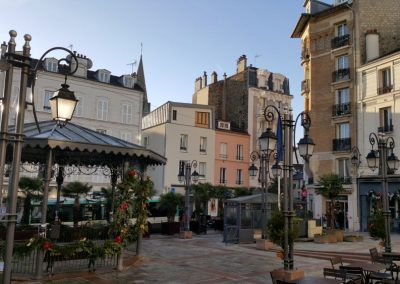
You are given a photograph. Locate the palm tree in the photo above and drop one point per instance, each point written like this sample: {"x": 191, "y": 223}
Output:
{"x": 170, "y": 202}
{"x": 201, "y": 195}
{"x": 31, "y": 187}
{"x": 330, "y": 187}
{"x": 75, "y": 190}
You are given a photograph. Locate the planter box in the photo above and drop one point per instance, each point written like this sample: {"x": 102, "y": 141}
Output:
{"x": 339, "y": 235}
{"x": 186, "y": 235}
{"x": 325, "y": 239}
{"x": 353, "y": 239}
{"x": 264, "y": 244}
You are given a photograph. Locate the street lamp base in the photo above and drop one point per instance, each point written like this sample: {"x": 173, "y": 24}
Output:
{"x": 289, "y": 275}
{"x": 185, "y": 235}
{"x": 263, "y": 244}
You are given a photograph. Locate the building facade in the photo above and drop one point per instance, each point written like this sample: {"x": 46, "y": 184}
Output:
{"x": 180, "y": 132}
{"x": 333, "y": 46}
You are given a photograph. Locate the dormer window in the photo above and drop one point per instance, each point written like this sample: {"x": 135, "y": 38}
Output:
{"x": 127, "y": 81}
{"x": 103, "y": 76}
{"x": 51, "y": 64}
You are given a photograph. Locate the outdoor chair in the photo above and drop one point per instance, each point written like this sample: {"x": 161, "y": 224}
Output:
{"x": 390, "y": 266}
{"x": 336, "y": 262}
{"x": 274, "y": 276}
{"x": 352, "y": 272}
{"x": 334, "y": 273}
{"x": 376, "y": 257}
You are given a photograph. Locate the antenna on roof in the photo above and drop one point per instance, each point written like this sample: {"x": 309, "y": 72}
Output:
{"x": 71, "y": 46}
{"x": 132, "y": 64}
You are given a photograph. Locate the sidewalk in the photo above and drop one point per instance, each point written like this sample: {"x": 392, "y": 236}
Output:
{"x": 206, "y": 259}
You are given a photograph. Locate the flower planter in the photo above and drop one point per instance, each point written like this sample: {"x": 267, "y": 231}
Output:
{"x": 325, "y": 239}
{"x": 339, "y": 234}
{"x": 353, "y": 239}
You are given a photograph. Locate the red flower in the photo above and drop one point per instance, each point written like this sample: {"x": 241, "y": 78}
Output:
{"x": 123, "y": 206}
{"x": 131, "y": 173}
{"x": 47, "y": 245}
{"x": 118, "y": 239}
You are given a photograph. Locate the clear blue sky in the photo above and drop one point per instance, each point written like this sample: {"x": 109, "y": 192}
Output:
{"x": 181, "y": 38}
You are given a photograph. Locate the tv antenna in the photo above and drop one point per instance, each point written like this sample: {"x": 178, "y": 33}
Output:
{"x": 132, "y": 65}
{"x": 255, "y": 59}
{"x": 71, "y": 47}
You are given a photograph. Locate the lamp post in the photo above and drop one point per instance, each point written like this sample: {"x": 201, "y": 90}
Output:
{"x": 381, "y": 159}
{"x": 10, "y": 60}
{"x": 186, "y": 176}
{"x": 305, "y": 148}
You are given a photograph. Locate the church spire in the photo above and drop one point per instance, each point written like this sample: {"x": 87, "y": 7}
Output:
{"x": 141, "y": 82}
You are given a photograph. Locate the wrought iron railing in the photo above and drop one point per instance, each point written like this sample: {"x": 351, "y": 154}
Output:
{"x": 341, "y": 109}
{"x": 346, "y": 179}
{"x": 340, "y": 41}
{"x": 385, "y": 89}
{"x": 386, "y": 128}
{"x": 341, "y": 74}
{"x": 343, "y": 144}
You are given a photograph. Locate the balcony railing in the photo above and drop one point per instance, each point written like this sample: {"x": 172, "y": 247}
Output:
{"x": 340, "y": 41}
{"x": 343, "y": 144}
{"x": 305, "y": 86}
{"x": 385, "y": 128}
{"x": 341, "y": 109}
{"x": 223, "y": 156}
{"x": 385, "y": 89}
{"x": 346, "y": 180}
{"x": 341, "y": 74}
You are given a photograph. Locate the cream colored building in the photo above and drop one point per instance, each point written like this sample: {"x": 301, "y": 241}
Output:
{"x": 180, "y": 132}
{"x": 107, "y": 103}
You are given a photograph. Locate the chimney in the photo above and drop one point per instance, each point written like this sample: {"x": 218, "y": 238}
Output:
{"x": 214, "y": 77}
{"x": 197, "y": 84}
{"x": 84, "y": 64}
{"x": 3, "y": 48}
{"x": 134, "y": 77}
{"x": 371, "y": 44}
{"x": 241, "y": 64}
{"x": 204, "y": 79}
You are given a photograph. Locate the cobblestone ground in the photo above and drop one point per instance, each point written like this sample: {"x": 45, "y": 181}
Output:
{"x": 206, "y": 259}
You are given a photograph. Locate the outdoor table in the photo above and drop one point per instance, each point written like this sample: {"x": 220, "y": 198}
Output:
{"x": 391, "y": 255}
{"x": 367, "y": 267}
{"x": 317, "y": 280}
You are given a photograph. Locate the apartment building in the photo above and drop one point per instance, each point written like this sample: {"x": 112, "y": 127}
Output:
{"x": 333, "y": 46}
{"x": 180, "y": 132}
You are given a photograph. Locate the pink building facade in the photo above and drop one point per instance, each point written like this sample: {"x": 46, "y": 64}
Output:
{"x": 231, "y": 157}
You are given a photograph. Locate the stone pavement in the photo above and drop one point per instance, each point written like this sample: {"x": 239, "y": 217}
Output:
{"x": 206, "y": 259}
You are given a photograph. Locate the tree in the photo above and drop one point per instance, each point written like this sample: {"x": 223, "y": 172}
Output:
{"x": 201, "y": 195}
{"x": 75, "y": 190}
{"x": 241, "y": 191}
{"x": 221, "y": 193}
{"x": 31, "y": 187}
{"x": 170, "y": 202}
{"x": 330, "y": 187}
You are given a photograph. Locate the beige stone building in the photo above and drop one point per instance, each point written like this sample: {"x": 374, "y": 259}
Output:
{"x": 333, "y": 46}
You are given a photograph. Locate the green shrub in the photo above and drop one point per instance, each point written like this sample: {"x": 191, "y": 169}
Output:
{"x": 276, "y": 230}
{"x": 377, "y": 226}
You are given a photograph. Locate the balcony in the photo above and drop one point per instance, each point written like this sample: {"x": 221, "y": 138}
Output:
{"x": 345, "y": 179}
{"x": 341, "y": 74}
{"x": 385, "y": 89}
{"x": 223, "y": 156}
{"x": 385, "y": 128}
{"x": 343, "y": 144}
{"x": 305, "y": 86}
{"x": 341, "y": 109}
{"x": 340, "y": 41}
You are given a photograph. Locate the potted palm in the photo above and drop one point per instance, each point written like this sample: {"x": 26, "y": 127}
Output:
{"x": 32, "y": 188}
{"x": 170, "y": 202}
{"x": 75, "y": 190}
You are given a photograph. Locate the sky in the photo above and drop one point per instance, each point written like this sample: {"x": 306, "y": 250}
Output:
{"x": 181, "y": 38}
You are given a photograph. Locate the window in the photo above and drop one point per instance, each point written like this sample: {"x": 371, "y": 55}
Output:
{"x": 223, "y": 153}
{"x": 342, "y": 62}
{"x": 102, "y": 110}
{"x": 222, "y": 175}
{"x": 174, "y": 113}
{"x": 146, "y": 141}
{"x": 46, "y": 100}
{"x": 126, "y": 136}
{"x": 52, "y": 65}
{"x": 202, "y": 119}
{"x": 344, "y": 173}
{"x": 342, "y": 106}
{"x": 385, "y": 81}
{"x": 128, "y": 81}
{"x": 202, "y": 170}
{"x": 102, "y": 131}
{"x": 79, "y": 106}
{"x": 239, "y": 176}
{"x": 385, "y": 120}
{"x": 104, "y": 76}
{"x": 184, "y": 142}
{"x": 342, "y": 29}
{"x": 239, "y": 152}
{"x": 203, "y": 144}
{"x": 343, "y": 131}
{"x": 126, "y": 115}
{"x": 342, "y": 96}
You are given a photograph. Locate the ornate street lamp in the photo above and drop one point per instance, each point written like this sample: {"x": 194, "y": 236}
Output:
{"x": 63, "y": 105}
{"x": 186, "y": 175}
{"x": 380, "y": 158}
{"x": 10, "y": 60}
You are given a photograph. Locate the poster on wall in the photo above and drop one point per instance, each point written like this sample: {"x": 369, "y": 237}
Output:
{"x": 213, "y": 207}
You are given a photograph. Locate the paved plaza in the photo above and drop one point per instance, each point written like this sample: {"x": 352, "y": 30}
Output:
{"x": 206, "y": 259}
